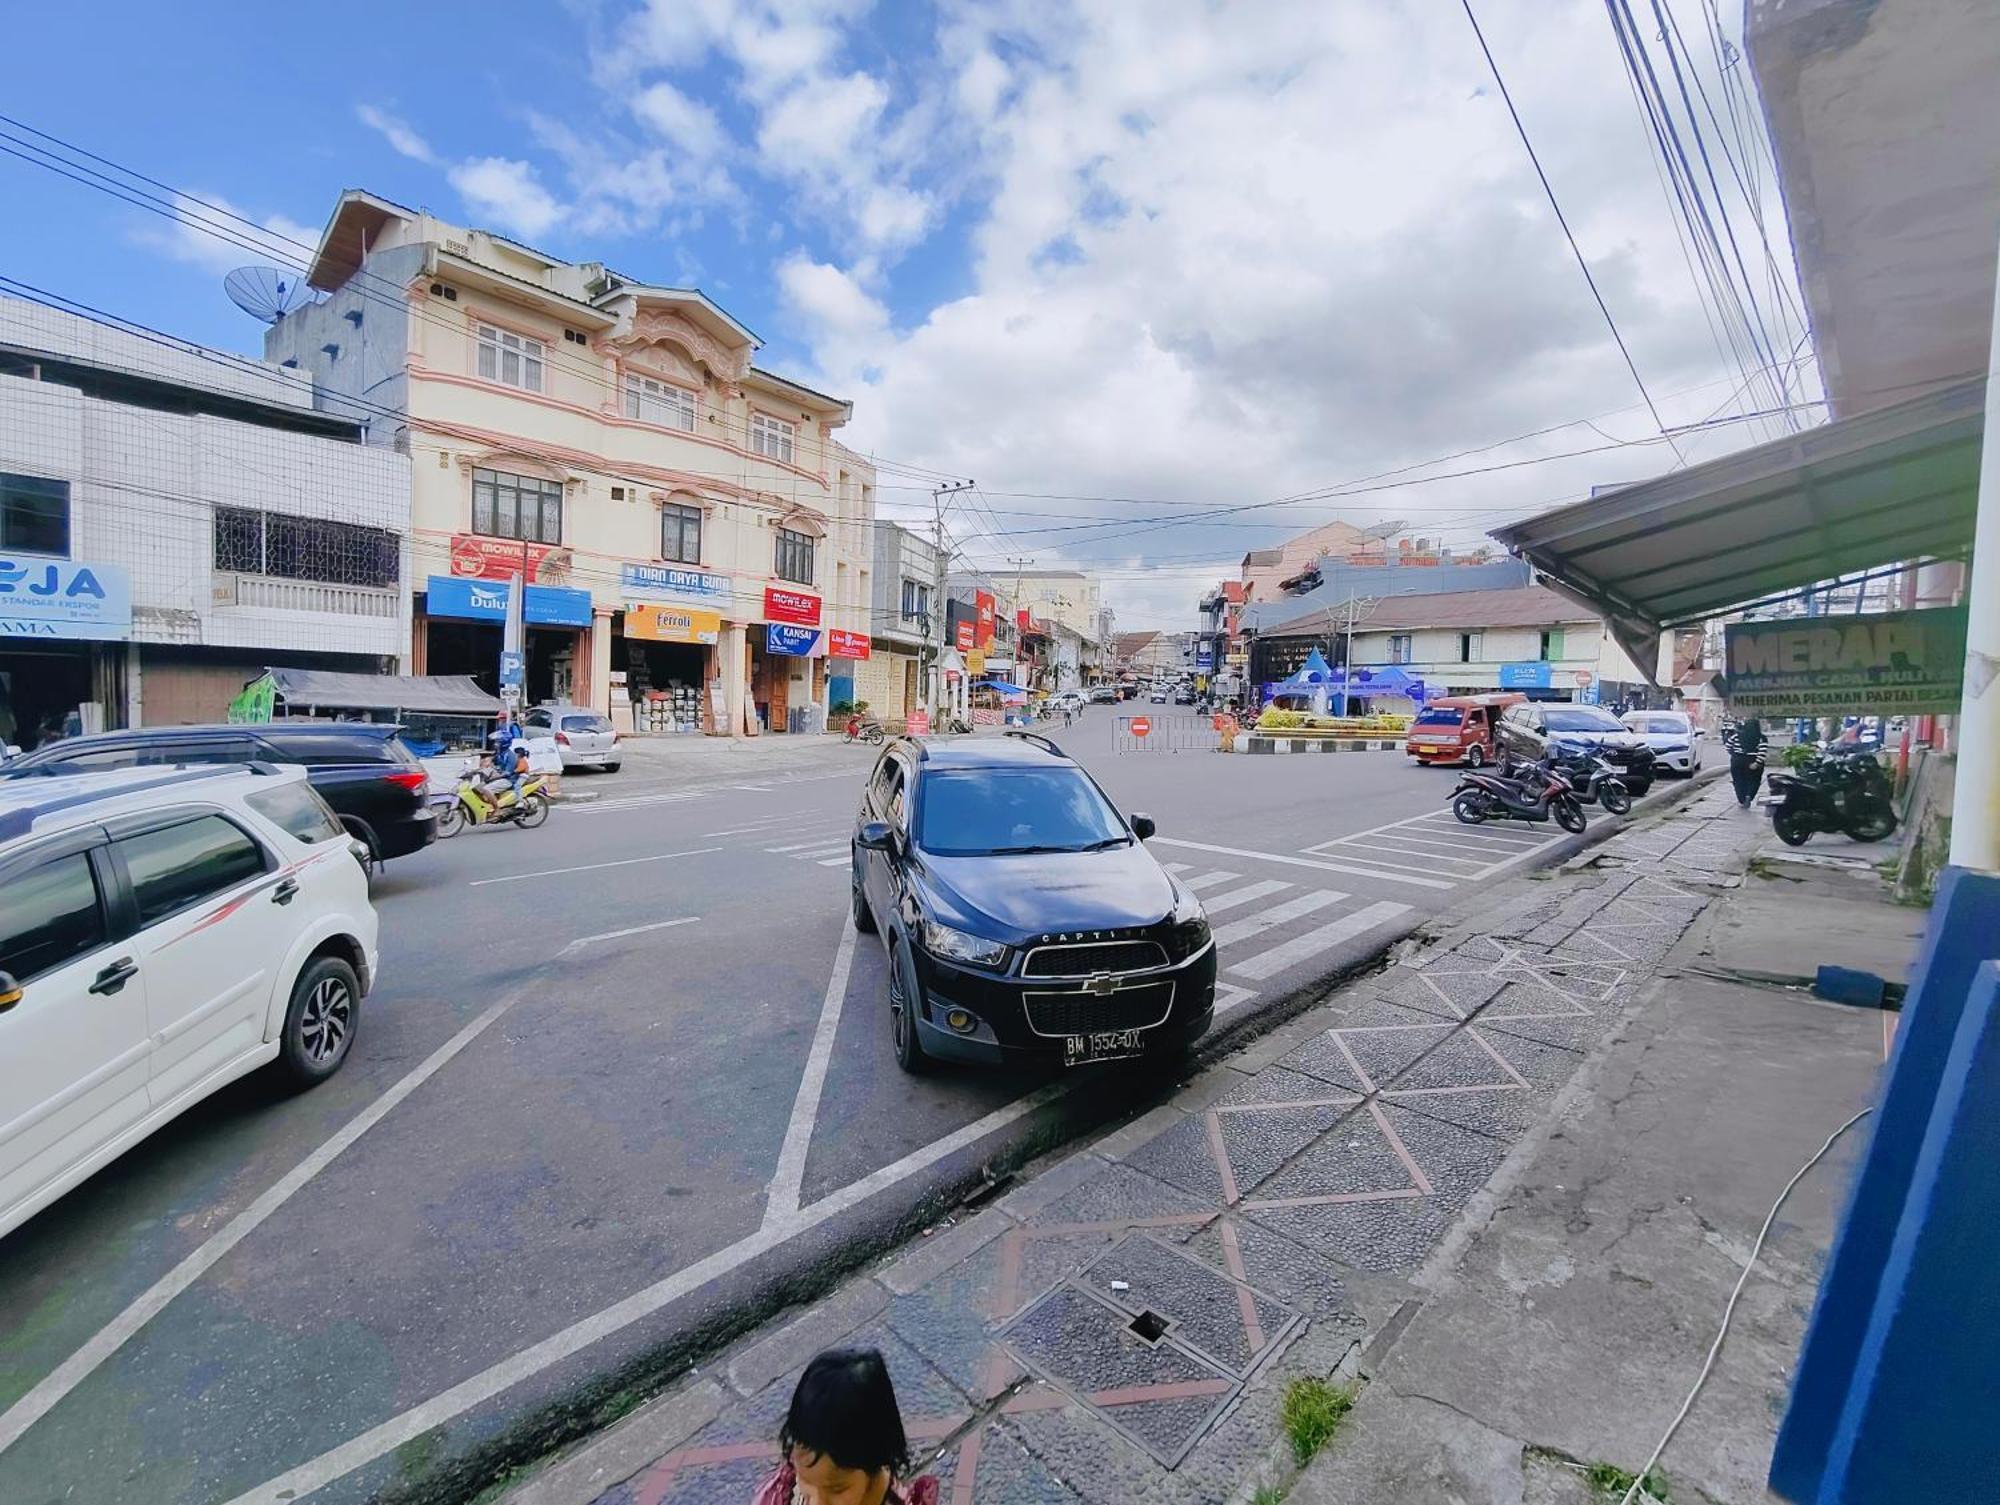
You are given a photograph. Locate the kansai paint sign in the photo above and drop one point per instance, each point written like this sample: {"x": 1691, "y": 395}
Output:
{"x": 656, "y": 623}
{"x": 983, "y": 604}
{"x": 1892, "y": 663}
{"x": 847, "y": 644}
{"x": 800, "y": 607}
{"x": 792, "y": 642}
{"x": 63, "y": 598}
{"x": 474, "y": 557}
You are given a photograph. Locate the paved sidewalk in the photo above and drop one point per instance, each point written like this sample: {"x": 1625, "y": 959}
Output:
{"x": 1122, "y": 1325}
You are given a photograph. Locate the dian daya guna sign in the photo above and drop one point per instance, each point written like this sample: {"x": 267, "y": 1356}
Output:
{"x": 1891, "y": 664}
{"x": 63, "y": 598}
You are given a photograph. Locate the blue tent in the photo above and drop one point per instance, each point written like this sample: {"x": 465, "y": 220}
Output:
{"x": 1314, "y": 674}
{"x": 1001, "y": 685}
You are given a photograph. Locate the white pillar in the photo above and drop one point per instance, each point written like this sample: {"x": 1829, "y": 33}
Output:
{"x": 1975, "y": 805}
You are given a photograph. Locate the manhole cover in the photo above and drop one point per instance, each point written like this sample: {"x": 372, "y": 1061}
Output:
{"x": 1156, "y": 1342}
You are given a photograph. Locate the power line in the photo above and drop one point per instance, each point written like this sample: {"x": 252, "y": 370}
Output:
{"x": 1575, "y": 250}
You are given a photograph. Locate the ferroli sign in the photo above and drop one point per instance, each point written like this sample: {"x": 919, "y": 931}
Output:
{"x": 1891, "y": 664}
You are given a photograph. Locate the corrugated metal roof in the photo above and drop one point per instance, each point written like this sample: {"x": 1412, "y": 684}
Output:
{"x": 1524, "y": 606}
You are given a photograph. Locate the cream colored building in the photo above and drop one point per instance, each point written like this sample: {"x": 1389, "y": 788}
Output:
{"x": 698, "y": 542}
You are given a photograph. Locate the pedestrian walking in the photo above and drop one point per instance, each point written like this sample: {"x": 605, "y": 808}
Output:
{"x": 843, "y": 1439}
{"x": 1745, "y": 745}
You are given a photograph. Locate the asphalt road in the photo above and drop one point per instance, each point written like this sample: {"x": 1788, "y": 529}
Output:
{"x": 582, "y": 1137}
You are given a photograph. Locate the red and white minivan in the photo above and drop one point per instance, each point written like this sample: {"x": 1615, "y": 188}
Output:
{"x": 1459, "y": 729}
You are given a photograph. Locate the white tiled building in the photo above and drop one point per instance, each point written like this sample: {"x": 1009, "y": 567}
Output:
{"x": 196, "y": 519}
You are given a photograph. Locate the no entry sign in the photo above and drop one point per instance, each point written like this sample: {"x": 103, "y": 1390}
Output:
{"x": 1140, "y": 725}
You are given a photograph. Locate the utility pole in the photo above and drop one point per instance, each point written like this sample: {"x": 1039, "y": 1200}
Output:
{"x": 1019, "y": 562}
{"x": 1355, "y": 609}
{"x": 938, "y": 494}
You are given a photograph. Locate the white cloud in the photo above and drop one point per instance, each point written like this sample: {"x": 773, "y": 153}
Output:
{"x": 506, "y": 193}
{"x": 399, "y": 135}
{"x": 212, "y": 233}
{"x": 685, "y": 123}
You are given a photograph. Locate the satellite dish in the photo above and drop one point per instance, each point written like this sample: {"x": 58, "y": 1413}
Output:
{"x": 267, "y": 293}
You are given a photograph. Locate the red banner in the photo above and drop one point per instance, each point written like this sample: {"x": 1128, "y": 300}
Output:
{"x": 790, "y": 606}
{"x": 965, "y": 640}
{"x": 918, "y": 724}
{"x": 983, "y": 604}
{"x": 474, "y": 557}
{"x": 1021, "y": 620}
{"x": 846, "y": 644}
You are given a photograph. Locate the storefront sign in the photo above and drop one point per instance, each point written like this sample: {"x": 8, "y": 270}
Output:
{"x": 918, "y": 723}
{"x": 1528, "y": 674}
{"x": 793, "y": 642}
{"x": 672, "y": 582}
{"x": 477, "y": 557}
{"x": 672, "y": 624}
{"x": 982, "y": 605}
{"x": 63, "y": 598}
{"x": 847, "y": 644}
{"x": 1889, "y": 664}
{"x": 965, "y": 636}
{"x": 975, "y": 662}
{"x": 1022, "y": 620}
{"x": 782, "y": 605}
{"x": 473, "y": 601}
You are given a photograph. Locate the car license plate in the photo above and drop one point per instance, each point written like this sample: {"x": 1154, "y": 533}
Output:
{"x": 1107, "y": 1045}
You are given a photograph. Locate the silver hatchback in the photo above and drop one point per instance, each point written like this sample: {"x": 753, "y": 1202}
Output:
{"x": 584, "y": 737}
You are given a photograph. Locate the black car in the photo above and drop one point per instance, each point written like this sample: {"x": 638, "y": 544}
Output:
{"x": 1022, "y": 917}
{"x": 1530, "y": 728}
{"x": 363, "y": 769}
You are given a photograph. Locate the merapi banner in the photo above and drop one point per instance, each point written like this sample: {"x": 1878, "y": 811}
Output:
{"x": 1893, "y": 663}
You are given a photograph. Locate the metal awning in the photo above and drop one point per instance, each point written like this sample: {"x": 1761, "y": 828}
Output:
{"x": 435, "y": 694}
{"x": 1895, "y": 484}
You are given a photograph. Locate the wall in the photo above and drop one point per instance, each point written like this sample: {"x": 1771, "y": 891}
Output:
{"x": 370, "y": 366}
{"x": 1434, "y": 653}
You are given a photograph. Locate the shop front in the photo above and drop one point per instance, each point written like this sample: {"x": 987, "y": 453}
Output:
{"x": 459, "y": 624}
{"x": 788, "y": 681}
{"x": 666, "y": 646}
{"x": 62, "y": 658}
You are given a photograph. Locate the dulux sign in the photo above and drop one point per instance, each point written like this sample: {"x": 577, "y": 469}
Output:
{"x": 484, "y": 601}
{"x": 63, "y": 598}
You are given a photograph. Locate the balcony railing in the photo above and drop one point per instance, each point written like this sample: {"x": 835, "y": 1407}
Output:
{"x": 307, "y": 595}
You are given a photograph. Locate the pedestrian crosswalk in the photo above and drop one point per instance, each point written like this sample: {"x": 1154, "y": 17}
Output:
{"x": 1274, "y": 935}
{"x": 1438, "y": 846}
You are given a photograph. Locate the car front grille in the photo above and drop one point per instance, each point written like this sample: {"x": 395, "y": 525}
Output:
{"x": 1089, "y": 1013}
{"x": 1089, "y": 958}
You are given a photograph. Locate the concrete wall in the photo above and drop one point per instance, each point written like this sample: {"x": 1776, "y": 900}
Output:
{"x": 368, "y": 372}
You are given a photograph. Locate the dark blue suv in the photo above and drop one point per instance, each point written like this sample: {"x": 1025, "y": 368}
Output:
{"x": 1022, "y": 917}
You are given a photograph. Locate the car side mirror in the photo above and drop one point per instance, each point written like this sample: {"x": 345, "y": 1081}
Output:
{"x": 876, "y": 836}
{"x": 10, "y": 991}
{"x": 1142, "y": 825}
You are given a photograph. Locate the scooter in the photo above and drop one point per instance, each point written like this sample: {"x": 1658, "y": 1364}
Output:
{"x": 1538, "y": 792}
{"x": 472, "y": 806}
{"x": 1849, "y": 794}
{"x": 1594, "y": 780}
{"x": 864, "y": 729}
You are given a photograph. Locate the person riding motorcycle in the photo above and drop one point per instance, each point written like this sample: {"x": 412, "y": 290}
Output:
{"x": 509, "y": 767}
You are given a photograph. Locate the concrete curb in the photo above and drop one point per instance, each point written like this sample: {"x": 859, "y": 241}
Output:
{"x": 1261, "y": 744}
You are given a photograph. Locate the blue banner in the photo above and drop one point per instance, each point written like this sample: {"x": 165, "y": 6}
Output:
{"x": 63, "y": 598}
{"x": 486, "y": 601}
{"x": 1528, "y": 674}
{"x": 793, "y": 642}
{"x": 675, "y": 583}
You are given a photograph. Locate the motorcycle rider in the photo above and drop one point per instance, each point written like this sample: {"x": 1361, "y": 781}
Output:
{"x": 1745, "y": 745}
{"x": 510, "y": 763}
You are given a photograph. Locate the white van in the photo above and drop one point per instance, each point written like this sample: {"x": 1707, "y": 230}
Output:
{"x": 164, "y": 931}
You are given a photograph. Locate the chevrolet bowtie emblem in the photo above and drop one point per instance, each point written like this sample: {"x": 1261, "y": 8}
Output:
{"x": 1102, "y": 985}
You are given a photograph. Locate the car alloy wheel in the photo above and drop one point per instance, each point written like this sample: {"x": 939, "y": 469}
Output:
{"x": 1475, "y": 756}
{"x": 325, "y": 1021}
{"x": 902, "y": 1022}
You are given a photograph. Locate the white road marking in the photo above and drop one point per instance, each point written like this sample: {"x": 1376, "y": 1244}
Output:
{"x": 591, "y": 867}
{"x": 1228, "y": 996}
{"x": 107, "y": 1340}
{"x": 385, "y": 1438}
{"x": 1296, "y": 950}
{"x": 814, "y": 850}
{"x": 1325, "y": 867}
{"x": 614, "y": 935}
{"x": 761, "y": 825}
{"x": 782, "y": 1200}
{"x": 841, "y": 861}
{"x": 1208, "y": 880}
{"x": 752, "y": 788}
{"x": 1178, "y": 867}
{"x": 799, "y": 846}
{"x": 1277, "y": 914}
{"x": 598, "y": 807}
{"x": 1244, "y": 895}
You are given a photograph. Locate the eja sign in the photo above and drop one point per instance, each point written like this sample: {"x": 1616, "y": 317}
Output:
{"x": 63, "y": 598}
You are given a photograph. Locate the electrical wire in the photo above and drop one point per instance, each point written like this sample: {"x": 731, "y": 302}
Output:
{"x": 1729, "y": 1310}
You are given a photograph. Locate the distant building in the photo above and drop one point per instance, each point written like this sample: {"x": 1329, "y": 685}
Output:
{"x": 176, "y": 519}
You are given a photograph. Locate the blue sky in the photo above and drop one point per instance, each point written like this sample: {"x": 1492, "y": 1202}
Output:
{"x": 1109, "y": 259}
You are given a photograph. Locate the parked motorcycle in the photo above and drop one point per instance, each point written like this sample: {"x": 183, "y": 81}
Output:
{"x": 1595, "y": 781}
{"x": 474, "y": 806}
{"x": 1536, "y": 792}
{"x": 1832, "y": 793}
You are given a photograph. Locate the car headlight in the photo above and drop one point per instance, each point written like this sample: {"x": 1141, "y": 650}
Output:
{"x": 959, "y": 946}
{"x": 1190, "y": 922}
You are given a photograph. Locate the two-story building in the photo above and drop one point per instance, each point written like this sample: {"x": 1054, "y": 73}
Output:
{"x": 175, "y": 519}
{"x": 696, "y": 544}
{"x": 907, "y": 626}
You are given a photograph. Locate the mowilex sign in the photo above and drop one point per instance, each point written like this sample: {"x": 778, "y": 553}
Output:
{"x": 1894, "y": 663}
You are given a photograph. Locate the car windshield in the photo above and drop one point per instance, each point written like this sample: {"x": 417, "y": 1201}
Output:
{"x": 1438, "y": 718}
{"x": 590, "y": 723}
{"x": 1673, "y": 724}
{"x": 986, "y": 811}
{"x": 1581, "y": 718}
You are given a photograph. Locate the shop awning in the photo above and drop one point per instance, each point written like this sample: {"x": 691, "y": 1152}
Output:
{"x": 436, "y": 694}
{"x": 1001, "y": 685}
{"x": 1896, "y": 484}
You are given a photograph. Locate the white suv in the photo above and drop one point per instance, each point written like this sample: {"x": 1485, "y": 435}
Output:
{"x": 163, "y": 931}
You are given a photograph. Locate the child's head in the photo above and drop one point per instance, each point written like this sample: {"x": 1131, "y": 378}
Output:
{"x": 843, "y": 1434}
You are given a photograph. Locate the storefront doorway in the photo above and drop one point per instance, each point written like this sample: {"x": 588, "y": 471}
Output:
{"x": 42, "y": 692}
{"x": 473, "y": 648}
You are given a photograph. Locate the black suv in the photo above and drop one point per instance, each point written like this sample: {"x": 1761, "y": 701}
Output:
{"x": 362, "y": 769}
{"x": 1528, "y": 729}
{"x": 1021, "y": 915}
